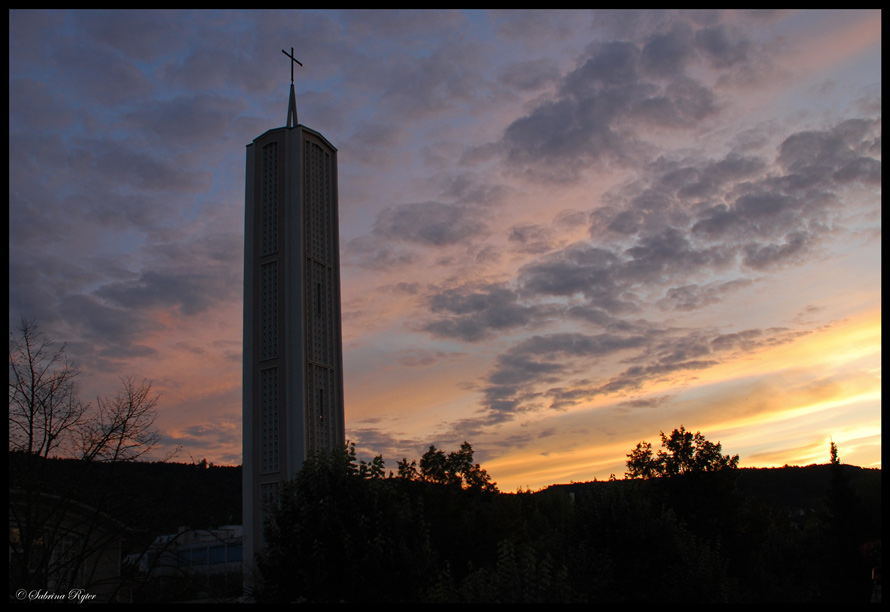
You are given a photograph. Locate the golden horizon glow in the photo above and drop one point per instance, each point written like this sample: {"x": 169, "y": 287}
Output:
{"x": 854, "y": 343}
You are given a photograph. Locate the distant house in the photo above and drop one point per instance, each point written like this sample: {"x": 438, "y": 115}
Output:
{"x": 197, "y": 551}
{"x": 60, "y": 549}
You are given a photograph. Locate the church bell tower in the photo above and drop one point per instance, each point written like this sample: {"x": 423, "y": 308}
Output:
{"x": 293, "y": 357}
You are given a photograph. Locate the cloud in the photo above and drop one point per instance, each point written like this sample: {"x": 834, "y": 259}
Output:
{"x": 603, "y": 105}
{"x": 476, "y": 314}
{"x": 513, "y": 381}
{"x": 532, "y": 238}
{"x": 840, "y": 153}
{"x": 103, "y": 324}
{"x": 99, "y": 74}
{"x": 142, "y": 35}
{"x": 185, "y": 120}
{"x": 430, "y": 223}
{"x": 694, "y": 296}
{"x": 722, "y": 46}
{"x": 190, "y": 292}
{"x": 372, "y": 253}
{"x": 669, "y": 52}
{"x": 542, "y": 372}
{"x": 530, "y": 75}
{"x": 580, "y": 268}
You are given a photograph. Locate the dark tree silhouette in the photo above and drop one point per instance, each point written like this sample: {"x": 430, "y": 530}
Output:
{"x": 62, "y": 525}
{"x": 684, "y": 453}
{"x": 344, "y": 534}
{"x": 456, "y": 468}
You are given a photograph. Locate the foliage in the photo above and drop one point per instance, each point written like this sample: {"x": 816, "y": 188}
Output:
{"x": 342, "y": 533}
{"x": 454, "y": 469}
{"x": 684, "y": 453}
{"x": 346, "y": 533}
{"x": 630, "y": 545}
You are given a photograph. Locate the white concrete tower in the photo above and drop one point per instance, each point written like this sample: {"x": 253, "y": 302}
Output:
{"x": 293, "y": 357}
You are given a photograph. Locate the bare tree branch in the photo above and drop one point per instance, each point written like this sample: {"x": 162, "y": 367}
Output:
{"x": 44, "y": 410}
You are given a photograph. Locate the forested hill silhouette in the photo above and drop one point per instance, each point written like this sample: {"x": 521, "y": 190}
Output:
{"x": 154, "y": 496}
{"x": 791, "y": 487}
{"x": 790, "y": 534}
{"x": 201, "y": 494}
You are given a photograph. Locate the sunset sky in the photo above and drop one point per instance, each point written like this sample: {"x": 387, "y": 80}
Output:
{"x": 562, "y": 232}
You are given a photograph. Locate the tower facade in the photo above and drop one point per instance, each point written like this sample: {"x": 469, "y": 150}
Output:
{"x": 293, "y": 358}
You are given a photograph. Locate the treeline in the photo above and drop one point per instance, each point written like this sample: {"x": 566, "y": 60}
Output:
{"x": 149, "y": 497}
{"x": 344, "y": 532}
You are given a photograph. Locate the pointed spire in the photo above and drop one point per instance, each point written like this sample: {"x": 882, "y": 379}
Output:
{"x": 292, "y": 108}
{"x": 292, "y": 103}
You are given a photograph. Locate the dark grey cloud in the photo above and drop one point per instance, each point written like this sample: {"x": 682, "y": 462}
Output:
{"x": 448, "y": 77}
{"x": 579, "y": 345}
{"x": 623, "y": 87}
{"x": 669, "y": 52}
{"x": 695, "y": 296}
{"x": 744, "y": 340}
{"x": 142, "y": 35}
{"x": 610, "y": 279}
{"x": 599, "y": 317}
{"x": 409, "y": 28}
{"x": 542, "y": 372}
{"x": 843, "y": 153}
{"x": 722, "y": 46}
{"x": 185, "y": 120}
{"x": 430, "y": 223}
{"x": 101, "y": 323}
{"x": 534, "y": 27}
{"x": 603, "y": 105}
{"x": 510, "y": 388}
{"x": 139, "y": 169}
{"x": 474, "y": 190}
{"x": 792, "y": 249}
{"x": 530, "y": 75}
{"x": 372, "y": 253}
{"x": 473, "y": 314}
{"x": 37, "y": 106}
{"x": 189, "y": 292}
{"x": 579, "y": 268}
{"x": 98, "y": 74}
{"x": 532, "y": 238}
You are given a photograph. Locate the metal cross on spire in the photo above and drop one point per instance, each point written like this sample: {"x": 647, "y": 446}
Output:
{"x": 293, "y": 59}
{"x": 292, "y": 103}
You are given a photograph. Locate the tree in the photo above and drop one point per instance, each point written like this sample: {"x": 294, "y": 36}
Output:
{"x": 45, "y": 413}
{"x": 640, "y": 462}
{"x": 407, "y": 471}
{"x": 48, "y": 419}
{"x": 62, "y": 512}
{"x": 684, "y": 453}
{"x": 456, "y": 469}
{"x": 341, "y": 533}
